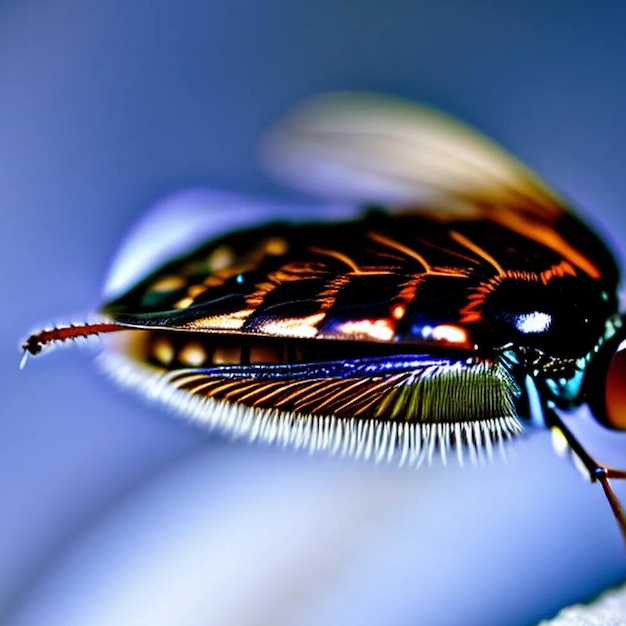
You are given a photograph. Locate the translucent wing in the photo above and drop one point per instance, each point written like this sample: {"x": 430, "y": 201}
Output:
{"x": 366, "y": 147}
{"x": 373, "y": 148}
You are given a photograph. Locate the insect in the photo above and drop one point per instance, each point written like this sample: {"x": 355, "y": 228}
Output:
{"x": 464, "y": 302}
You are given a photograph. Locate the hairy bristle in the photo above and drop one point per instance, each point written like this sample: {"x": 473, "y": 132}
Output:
{"x": 405, "y": 443}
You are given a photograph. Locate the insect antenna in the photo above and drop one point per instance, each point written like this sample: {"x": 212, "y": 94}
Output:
{"x": 596, "y": 471}
{"x": 58, "y": 334}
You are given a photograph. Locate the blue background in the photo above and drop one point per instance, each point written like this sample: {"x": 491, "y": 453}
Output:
{"x": 112, "y": 512}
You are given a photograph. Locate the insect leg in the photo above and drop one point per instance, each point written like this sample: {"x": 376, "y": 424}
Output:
{"x": 597, "y": 472}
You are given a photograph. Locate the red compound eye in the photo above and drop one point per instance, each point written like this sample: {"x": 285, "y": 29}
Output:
{"x": 615, "y": 390}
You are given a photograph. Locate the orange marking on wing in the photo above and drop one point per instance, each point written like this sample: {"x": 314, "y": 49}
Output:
{"x": 327, "y": 296}
{"x": 469, "y": 317}
{"x": 290, "y": 272}
{"x": 559, "y": 271}
{"x": 399, "y": 247}
{"x": 471, "y": 313}
{"x": 543, "y": 234}
{"x": 407, "y": 293}
{"x": 470, "y": 245}
{"x": 340, "y": 256}
{"x": 409, "y": 252}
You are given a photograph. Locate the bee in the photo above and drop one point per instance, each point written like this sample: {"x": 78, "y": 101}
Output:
{"x": 463, "y": 303}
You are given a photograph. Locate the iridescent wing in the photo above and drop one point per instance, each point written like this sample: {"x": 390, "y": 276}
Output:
{"x": 316, "y": 335}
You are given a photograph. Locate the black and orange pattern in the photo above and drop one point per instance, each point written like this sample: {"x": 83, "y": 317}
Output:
{"x": 467, "y": 301}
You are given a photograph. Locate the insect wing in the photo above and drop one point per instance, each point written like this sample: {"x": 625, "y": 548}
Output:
{"x": 363, "y": 146}
{"x": 184, "y": 220}
{"x": 380, "y": 279}
{"x": 368, "y": 148}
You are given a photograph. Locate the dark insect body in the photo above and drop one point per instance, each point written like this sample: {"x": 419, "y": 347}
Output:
{"x": 480, "y": 305}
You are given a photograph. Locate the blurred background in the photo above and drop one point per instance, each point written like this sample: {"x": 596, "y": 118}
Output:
{"x": 112, "y": 512}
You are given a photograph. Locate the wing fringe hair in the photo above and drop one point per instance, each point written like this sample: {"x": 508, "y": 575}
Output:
{"x": 405, "y": 443}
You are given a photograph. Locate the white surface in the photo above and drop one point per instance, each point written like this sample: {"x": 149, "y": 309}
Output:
{"x": 608, "y": 610}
